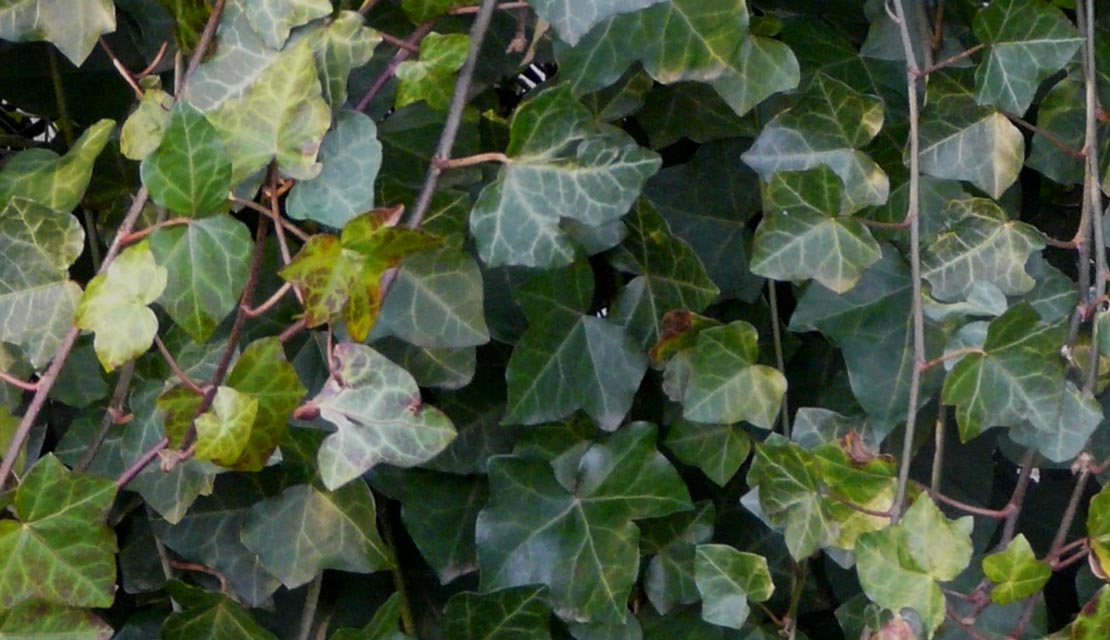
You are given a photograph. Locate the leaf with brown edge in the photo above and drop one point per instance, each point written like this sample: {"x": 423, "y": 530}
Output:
{"x": 341, "y": 276}
{"x": 678, "y": 330}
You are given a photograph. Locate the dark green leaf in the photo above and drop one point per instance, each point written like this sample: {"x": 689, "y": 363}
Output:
{"x": 189, "y": 173}
{"x": 513, "y": 613}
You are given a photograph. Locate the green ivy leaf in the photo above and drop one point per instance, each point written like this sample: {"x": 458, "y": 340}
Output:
{"x": 1027, "y": 41}
{"x": 340, "y": 276}
{"x": 901, "y": 565}
{"x": 1061, "y": 114}
{"x": 223, "y": 430}
{"x": 33, "y": 619}
{"x": 436, "y": 301}
{"x": 1093, "y": 620}
{"x": 305, "y": 530}
{"x": 209, "y": 614}
{"x": 59, "y": 550}
{"x": 726, "y": 580}
{"x": 568, "y": 360}
{"x": 440, "y": 367}
{"x": 273, "y": 19}
{"x": 705, "y": 41}
{"x": 143, "y": 130}
{"x": 236, "y": 65}
{"x": 572, "y": 19}
{"x": 115, "y": 306}
{"x": 280, "y": 117}
{"x": 210, "y": 534}
{"x": 668, "y": 275}
{"x": 803, "y": 236}
{"x": 190, "y": 172}
{"x": 1003, "y": 387}
{"x": 717, "y": 449}
{"x": 669, "y": 578}
{"x": 726, "y": 384}
{"x": 206, "y": 262}
{"x": 55, "y": 182}
{"x": 424, "y": 10}
{"x": 71, "y": 25}
{"x": 431, "y": 77}
{"x": 376, "y": 407}
{"x": 439, "y": 512}
{"x": 561, "y": 165}
{"x": 789, "y": 486}
{"x": 513, "y": 613}
{"x": 581, "y": 543}
{"x": 263, "y": 373}
{"x": 351, "y": 155}
{"x": 189, "y": 18}
{"x": 1015, "y": 572}
{"x": 962, "y": 141}
{"x": 826, "y": 127}
{"x": 383, "y": 626}
{"x": 1098, "y": 528}
{"x": 37, "y": 299}
{"x": 341, "y": 45}
{"x": 979, "y": 244}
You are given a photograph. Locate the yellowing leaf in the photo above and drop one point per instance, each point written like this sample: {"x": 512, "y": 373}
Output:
{"x": 114, "y": 306}
{"x": 223, "y": 430}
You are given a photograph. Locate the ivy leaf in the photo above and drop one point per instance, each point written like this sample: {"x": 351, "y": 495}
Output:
{"x": 59, "y": 550}
{"x": 210, "y": 534}
{"x": 1015, "y": 572}
{"x": 1093, "y": 620}
{"x": 189, "y": 18}
{"x": 280, "y": 117}
{"x": 726, "y": 580}
{"x": 826, "y": 127}
{"x": 669, "y": 275}
{"x": 33, "y": 619}
{"x": 1027, "y": 41}
{"x": 441, "y": 367}
{"x": 435, "y": 301}
{"x": 209, "y": 614}
{"x": 37, "y": 299}
{"x": 439, "y": 512}
{"x": 717, "y": 449}
{"x": 789, "y": 495}
{"x": 431, "y": 78}
{"x": 1003, "y": 387}
{"x": 190, "y": 172}
{"x": 705, "y": 41}
{"x": 273, "y": 19}
{"x": 143, "y": 130}
{"x": 572, "y": 19}
{"x": 340, "y": 46}
{"x": 71, "y": 25}
{"x": 581, "y": 544}
{"x": 380, "y": 417}
{"x": 669, "y": 578}
{"x": 235, "y": 66}
{"x": 263, "y": 373}
{"x": 513, "y": 613}
{"x": 962, "y": 141}
{"x": 561, "y": 165}
{"x": 383, "y": 626}
{"x": 901, "y": 565}
{"x": 726, "y": 384}
{"x": 341, "y": 275}
{"x": 567, "y": 360}
{"x": 206, "y": 263}
{"x": 58, "y": 183}
{"x": 223, "y": 430}
{"x": 305, "y": 530}
{"x": 1098, "y": 528}
{"x": 978, "y": 245}
{"x": 115, "y": 306}
{"x": 802, "y": 236}
{"x": 351, "y": 155}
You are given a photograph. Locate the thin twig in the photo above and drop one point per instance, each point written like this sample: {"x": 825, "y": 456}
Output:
{"x": 912, "y": 74}
{"x": 399, "y": 42}
{"x": 938, "y": 450}
{"x": 469, "y": 161}
{"x": 17, "y": 383}
{"x": 202, "y": 46}
{"x": 856, "y": 507}
{"x": 308, "y": 610}
{"x": 136, "y": 468}
{"x": 155, "y": 62}
{"x": 951, "y": 60}
{"x": 301, "y": 234}
{"x": 291, "y": 331}
{"x": 967, "y": 626}
{"x": 186, "y": 381}
{"x": 1069, "y": 513}
{"x": 504, "y": 6}
{"x": 1017, "y": 498}
{"x": 402, "y": 54}
{"x": 200, "y": 568}
{"x": 63, "y": 122}
{"x": 945, "y": 357}
{"x": 878, "y": 224}
{"x": 408, "y": 623}
{"x": 454, "y": 113}
{"x": 47, "y": 380}
{"x": 121, "y": 69}
{"x": 997, "y": 514}
{"x": 270, "y": 302}
{"x": 1093, "y": 173}
{"x": 111, "y": 414}
{"x": 1052, "y": 139}
{"x": 132, "y": 238}
{"x": 776, "y": 335}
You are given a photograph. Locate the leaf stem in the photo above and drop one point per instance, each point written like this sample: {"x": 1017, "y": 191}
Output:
{"x": 65, "y": 126}
{"x": 205, "y": 41}
{"x": 291, "y": 331}
{"x": 301, "y": 234}
{"x": 955, "y": 353}
{"x": 402, "y": 54}
{"x": 1053, "y": 140}
{"x": 454, "y": 163}
{"x": 47, "y": 380}
{"x": 996, "y": 514}
{"x": 17, "y": 383}
{"x": 938, "y": 450}
{"x": 186, "y": 381}
{"x": 136, "y": 236}
{"x": 913, "y": 207}
{"x": 399, "y": 42}
{"x": 776, "y": 334}
{"x": 122, "y": 70}
{"x": 140, "y": 464}
{"x": 308, "y": 610}
{"x": 408, "y": 623}
{"x": 454, "y": 112}
{"x": 1017, "y": 498}
{"x": 504, "y": 6}
{"x": 270, "y": 302}
{"x": 200, "y": 568}
{"x": 111, "y": 414}
{"x": 949, "y": 61}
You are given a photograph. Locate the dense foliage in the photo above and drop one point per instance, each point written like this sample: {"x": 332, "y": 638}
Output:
{"x": 592, "y": 319}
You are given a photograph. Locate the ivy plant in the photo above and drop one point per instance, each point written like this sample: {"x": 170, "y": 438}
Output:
{"x": 588, "y": 319}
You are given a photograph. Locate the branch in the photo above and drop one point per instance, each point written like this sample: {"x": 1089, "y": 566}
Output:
{"x": 1056, "y": 142}
{"x": 912, "y": 74}
{"x": 776, "y": 334}
{"x": 111, "y": 416}
{"x": 132, "y": 238}
{"x": 1091, "y": 177}
{"x": 202, "y": 46}
{"x": 301, "y": 234}
{"x": 402, "y": 54}
{"x": 186, "y": 381}
{"x": 997, "y": 514}
{"x": 454, "y": 114}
